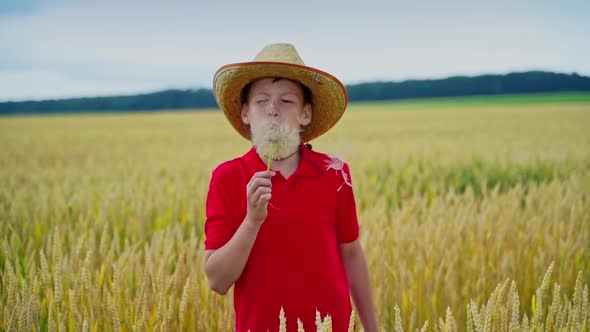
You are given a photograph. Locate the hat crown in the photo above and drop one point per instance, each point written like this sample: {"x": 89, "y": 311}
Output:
{"x": 282, "y": 52}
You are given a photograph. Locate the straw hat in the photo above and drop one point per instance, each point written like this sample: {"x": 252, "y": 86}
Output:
{"x": 329, "y": 96}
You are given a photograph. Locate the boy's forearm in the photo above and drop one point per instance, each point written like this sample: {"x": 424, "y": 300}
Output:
{"x": 226, "y": 264}
{"x": 360, "y": 289}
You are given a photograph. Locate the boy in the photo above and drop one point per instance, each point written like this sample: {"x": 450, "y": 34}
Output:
{"x": 281, "y": 220}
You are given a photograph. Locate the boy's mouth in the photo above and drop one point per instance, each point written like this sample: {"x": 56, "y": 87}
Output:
{"x": 274, "y": 124}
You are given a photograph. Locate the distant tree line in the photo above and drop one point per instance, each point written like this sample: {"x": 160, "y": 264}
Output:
{"x": 526, "y": 82}
{"x": 168, "y": 99}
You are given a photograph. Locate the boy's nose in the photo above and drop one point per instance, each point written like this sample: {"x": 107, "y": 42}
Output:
{"x": 273, "y": 109}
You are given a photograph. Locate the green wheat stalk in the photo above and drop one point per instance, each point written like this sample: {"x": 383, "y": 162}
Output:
{"x": 272, "y": 150}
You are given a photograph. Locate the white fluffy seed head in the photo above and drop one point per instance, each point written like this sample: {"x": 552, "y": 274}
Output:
{"x": 278, "y": 139}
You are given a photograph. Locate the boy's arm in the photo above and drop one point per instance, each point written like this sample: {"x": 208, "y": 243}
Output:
{"x": 225, "y": 265}
{"x": 357, "y": 272}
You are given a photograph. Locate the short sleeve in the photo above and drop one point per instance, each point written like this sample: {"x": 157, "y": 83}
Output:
{"x": 347, "y": 226}
{"x": 219, "y": 225}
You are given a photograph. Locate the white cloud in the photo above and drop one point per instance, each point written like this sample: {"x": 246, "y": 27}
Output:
{"x": 75, "y": 47}
{"x": 25, "y": 85}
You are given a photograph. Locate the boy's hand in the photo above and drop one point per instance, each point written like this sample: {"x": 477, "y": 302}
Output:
{"x": 258, "y": 193}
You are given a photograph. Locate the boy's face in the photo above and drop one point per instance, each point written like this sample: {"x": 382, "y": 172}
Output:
{"x": 280, "y": 102}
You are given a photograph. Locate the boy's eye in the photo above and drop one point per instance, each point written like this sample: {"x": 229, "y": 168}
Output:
{"x": 286, "y": 101}
{"x": 261, "y": 101}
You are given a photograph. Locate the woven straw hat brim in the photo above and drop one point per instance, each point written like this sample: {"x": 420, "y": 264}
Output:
{"x": 329, "y": 96}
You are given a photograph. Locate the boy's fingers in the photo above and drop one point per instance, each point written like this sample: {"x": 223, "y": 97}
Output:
{"x": 261, "y": 182}
{"x": 263, "y": 174}
{"x": 257, "y": 183}
{"x": 264, "y": 199}
{"x": 259, "y": 192}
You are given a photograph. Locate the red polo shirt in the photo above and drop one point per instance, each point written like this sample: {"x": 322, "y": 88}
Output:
{"x": 295, "y": 261}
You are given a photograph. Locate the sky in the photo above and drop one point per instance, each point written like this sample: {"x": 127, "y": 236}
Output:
{"x": 66, "y": 48}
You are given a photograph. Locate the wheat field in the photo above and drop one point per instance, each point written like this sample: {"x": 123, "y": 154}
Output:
{"x": 473, "y": 217}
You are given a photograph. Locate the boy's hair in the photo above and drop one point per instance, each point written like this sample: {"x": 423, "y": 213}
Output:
{"x": 307, "y": 97}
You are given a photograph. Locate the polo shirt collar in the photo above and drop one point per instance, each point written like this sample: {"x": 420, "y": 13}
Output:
{"x": 307, "y": 166}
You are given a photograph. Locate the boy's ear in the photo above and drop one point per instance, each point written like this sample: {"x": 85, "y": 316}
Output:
{"x": 305, "y": 116}
{"x": 244, "y": 115}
